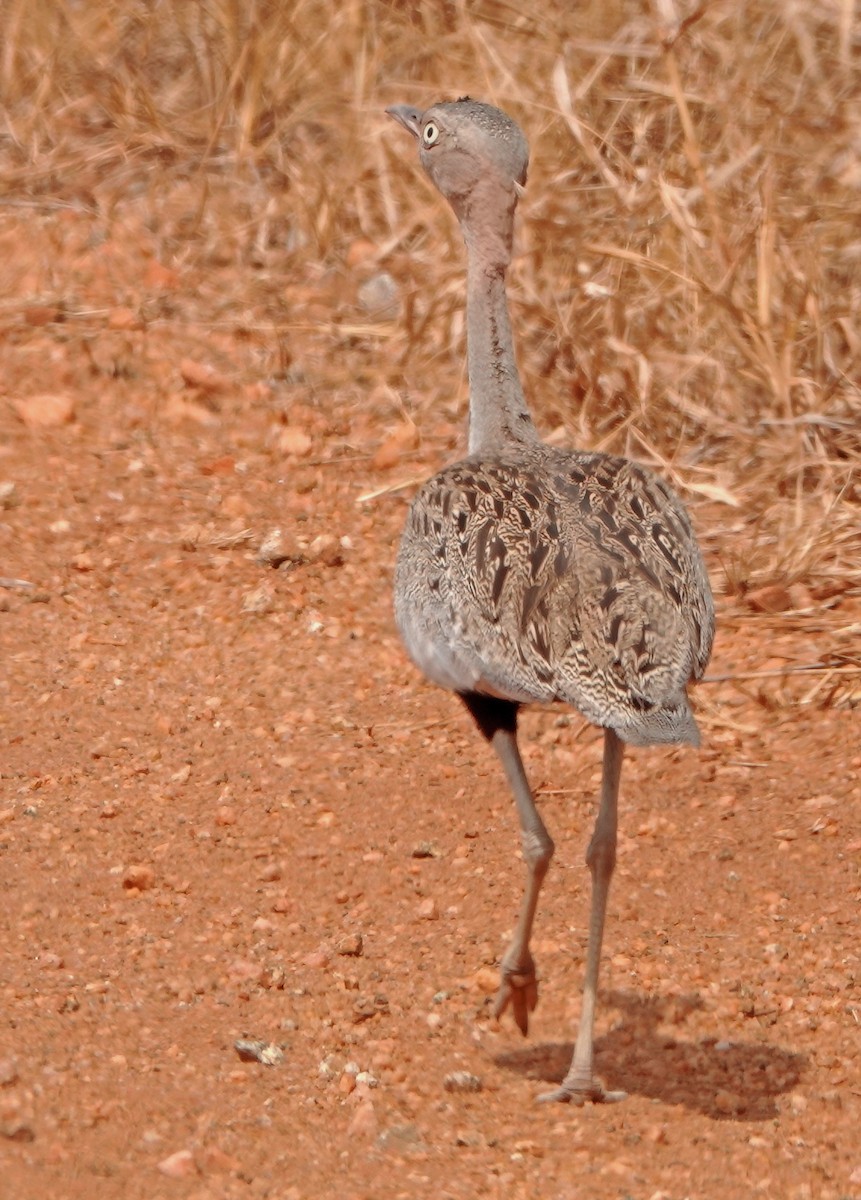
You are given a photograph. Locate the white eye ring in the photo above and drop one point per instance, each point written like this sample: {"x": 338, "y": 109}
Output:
{"x": 430, "y": 134}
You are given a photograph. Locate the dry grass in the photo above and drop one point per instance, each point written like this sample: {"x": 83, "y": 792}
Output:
{"x": 688, "y": 288}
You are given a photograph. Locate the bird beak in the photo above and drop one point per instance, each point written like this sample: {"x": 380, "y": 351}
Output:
{"x": 409, "y": 117}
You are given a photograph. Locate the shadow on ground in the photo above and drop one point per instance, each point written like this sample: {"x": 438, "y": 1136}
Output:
{"x": 738, "y": 1081}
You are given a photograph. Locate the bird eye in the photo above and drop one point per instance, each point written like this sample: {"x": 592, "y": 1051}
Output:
{"x": 430, "y": 134}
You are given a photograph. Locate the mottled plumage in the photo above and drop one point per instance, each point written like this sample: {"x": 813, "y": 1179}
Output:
{"x": 561, "y": 576}
{"x": 528, "y": 573}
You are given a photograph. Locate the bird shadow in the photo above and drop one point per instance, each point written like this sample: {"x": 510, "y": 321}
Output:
{"x": 736, "y": 1081}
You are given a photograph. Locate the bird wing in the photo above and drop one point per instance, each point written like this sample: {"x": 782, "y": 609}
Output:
{"x": 580, "y": 581}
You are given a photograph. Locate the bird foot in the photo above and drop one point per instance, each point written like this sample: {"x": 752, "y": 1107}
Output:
{"x": 579, "y": 1091}
{"x": 518, "y": 989}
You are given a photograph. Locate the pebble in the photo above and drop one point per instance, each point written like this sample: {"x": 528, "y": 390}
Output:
{"x": 317, "y": 958}
{"x": 428, "y": 910}
{"x": 462, "y": 1081}
{"x": 272, "y": 552}
{"x": 259, "y": 600}
{"x": 486, "y": 980}
{"x": 330, "y": 1067}
{"x": 294, "y": 442}
{"x": 351, "y": 945}
{"x": 46, "y": 411}
{"x": 180, "y": 1165}
{"x": 8, "y": 1071}
{"x": 138, "y": 877}
{"x": 9, "y": 496}
{"x": 327, "y": 550}
{"x": 257, "y": 1050}
{"x": 202, "y": 376}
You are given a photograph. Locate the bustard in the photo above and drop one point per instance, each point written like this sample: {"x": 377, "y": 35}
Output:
{"x": 528, "y": 573}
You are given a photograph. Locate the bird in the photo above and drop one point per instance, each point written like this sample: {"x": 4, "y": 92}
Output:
{"x": 527, "y": 573}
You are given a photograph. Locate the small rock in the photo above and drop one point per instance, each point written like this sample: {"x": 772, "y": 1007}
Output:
{"x": 773, "y": 598}
{"x": 528, "y": 1146}
{"x": 425, "y": 850}
{"x": 294, "y": 442}
{"x": 326, "y": 549}
{"x": 271, "y": 552}
{"x": 8, "y": 495}
{"x": 8, "y": 1071}
{"x": 486, "y": 980}
{"x": 17, "y": 1129}
{"x": 256, "y": 1050}
{"x": 259, "y": 600}
{"x": 201, "y": 376}
{"x": 347, "y": 1083}
{"x": 317, "y": 958}
{"x": 138, "y": 877}
{"x": 462, "y": 1081}
{"x": 428, "y": 910}
{"x": 366, "y": 1007}
{"x": 274, "y": 978}
{"x": 180, "y": 1165}
{"x": 351, "y": 946}
{"x": 330, "y": 1067}
{"x": 46, "y": 411}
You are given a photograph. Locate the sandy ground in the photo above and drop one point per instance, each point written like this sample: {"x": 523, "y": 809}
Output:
{"x": 230, "y": 809}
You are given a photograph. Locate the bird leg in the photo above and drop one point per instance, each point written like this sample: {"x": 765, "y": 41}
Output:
{"x": 497, "y": 720}
{"x": 580, "y": 1084}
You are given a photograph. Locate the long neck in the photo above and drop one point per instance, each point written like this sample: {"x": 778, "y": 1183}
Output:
{"x": 498, "y": 417}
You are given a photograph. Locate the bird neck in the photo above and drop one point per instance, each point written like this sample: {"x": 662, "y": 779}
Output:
{"x": 498, "y": 416}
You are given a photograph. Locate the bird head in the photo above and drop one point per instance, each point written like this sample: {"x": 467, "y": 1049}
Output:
{"x": 471, "y": 152}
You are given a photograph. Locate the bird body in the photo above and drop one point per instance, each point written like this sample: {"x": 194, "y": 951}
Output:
{"x": 527, "y": 573}
{"x": 558, "y": 576}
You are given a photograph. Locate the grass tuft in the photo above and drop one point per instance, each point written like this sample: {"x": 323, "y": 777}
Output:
{"x": 688, "y": 287}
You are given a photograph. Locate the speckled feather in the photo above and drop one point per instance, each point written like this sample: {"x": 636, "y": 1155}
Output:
{"x": 559, "y": 576}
